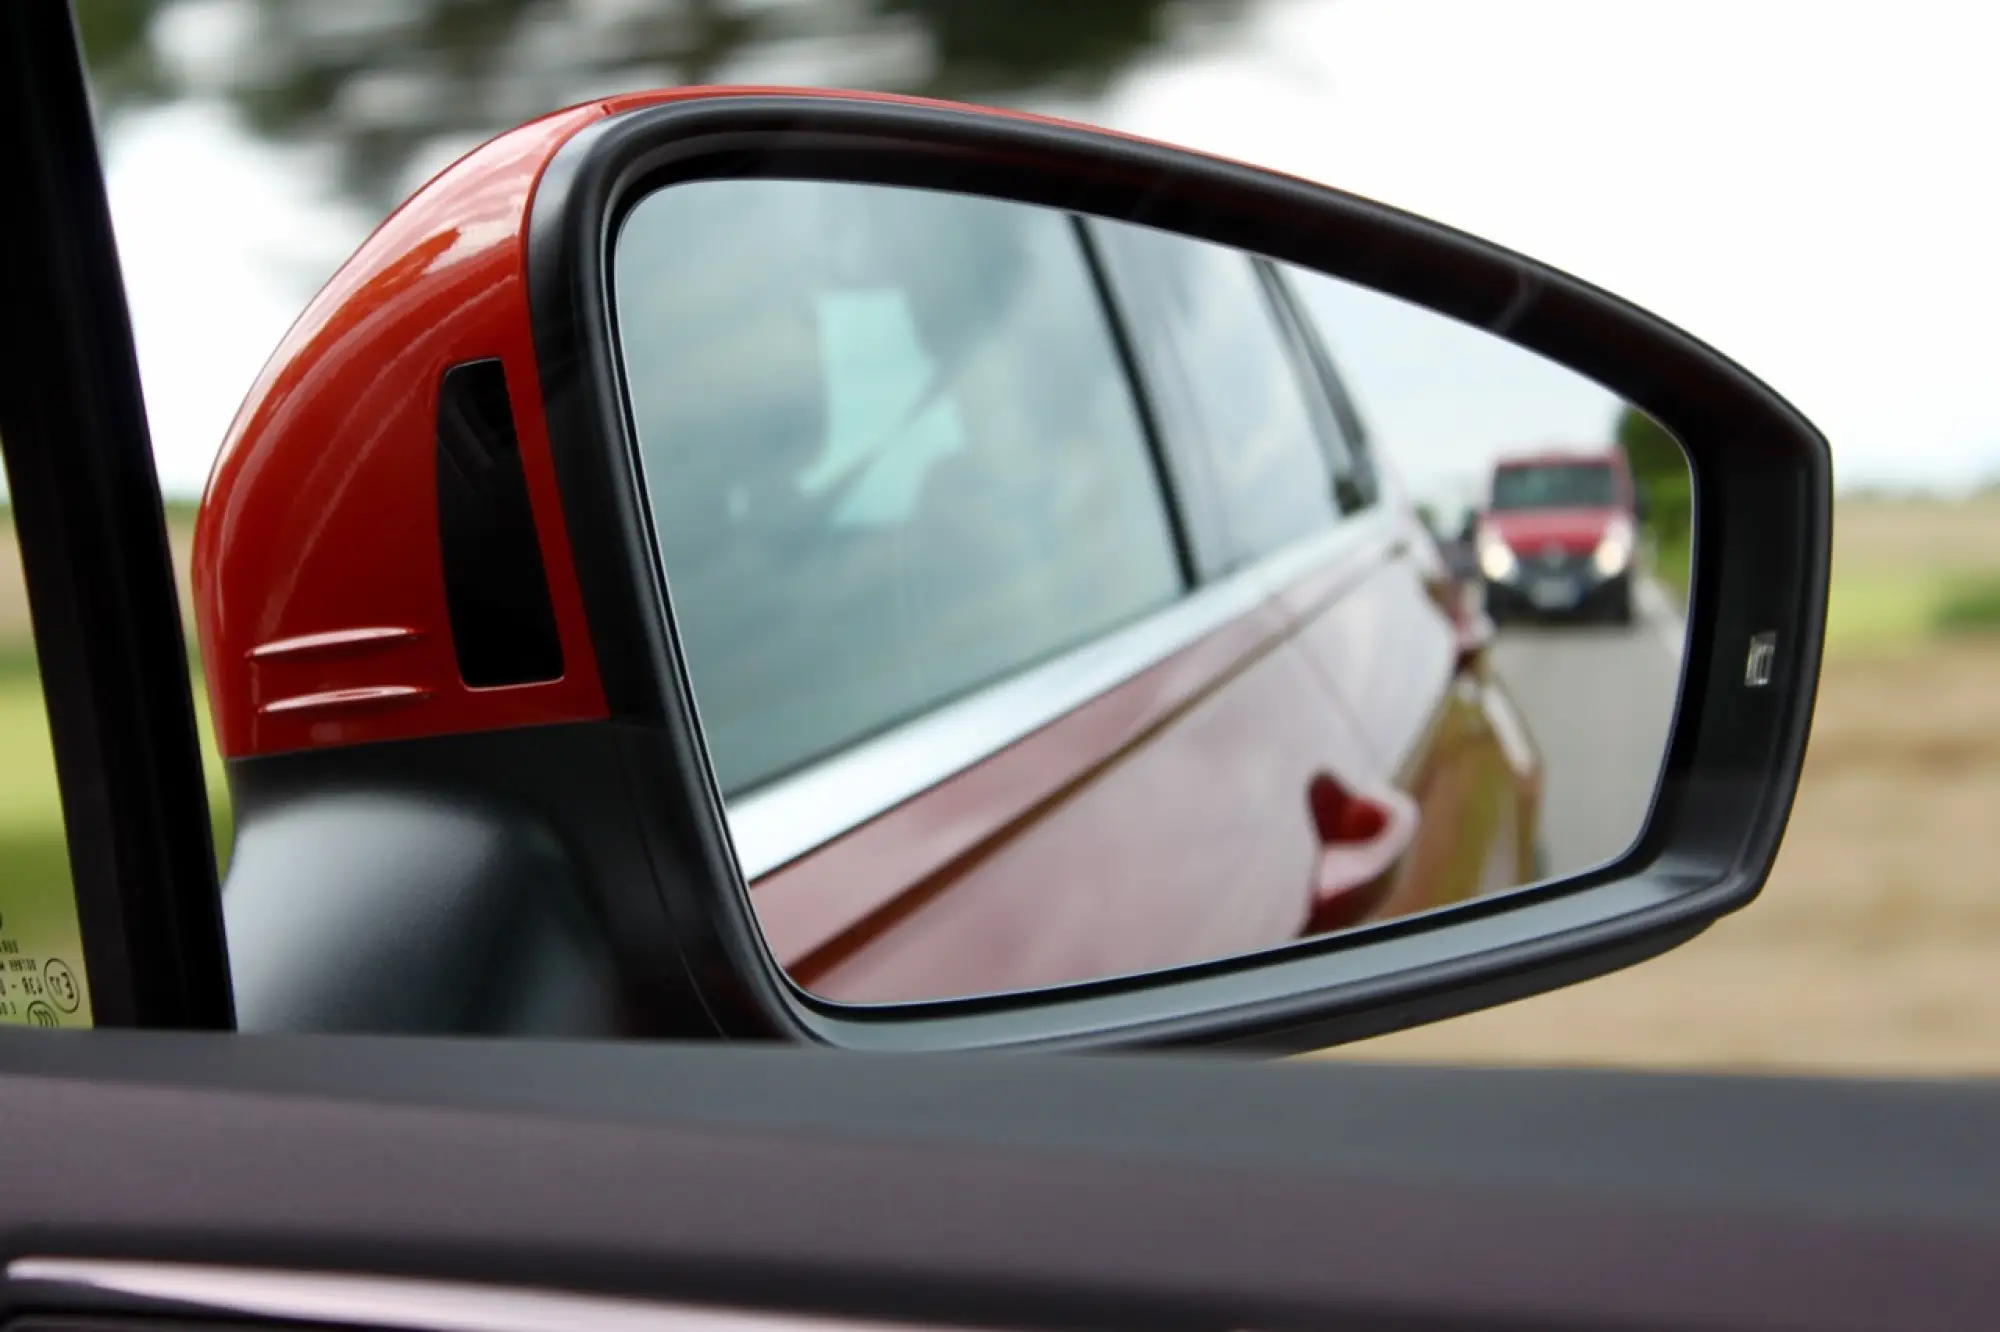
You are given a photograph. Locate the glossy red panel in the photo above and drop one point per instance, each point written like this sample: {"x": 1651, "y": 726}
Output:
{"x": 1197, "y": 844}
{"x": 1229, "y": 799}
{"x": 1404, "y": 653}
{"x": 805, "y": 906}
{"x": 1385, "y": 651}
{"x": 319, "y": 593}
{"x": 1571, "y": 531}
{"x": 319, "y": 589}
{"x": 1177, "y": 818}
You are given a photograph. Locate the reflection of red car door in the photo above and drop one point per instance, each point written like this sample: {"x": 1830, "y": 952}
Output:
{"x": 1402, "y": 647}
{"x": 1165, "y": 822}
{"x": 1444, "y": 734}
{"x": 1218, "y": 801}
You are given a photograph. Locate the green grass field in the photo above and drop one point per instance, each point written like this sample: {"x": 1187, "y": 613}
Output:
{"x": 1673, "y": 564}
{"x": 1909, "y": 573}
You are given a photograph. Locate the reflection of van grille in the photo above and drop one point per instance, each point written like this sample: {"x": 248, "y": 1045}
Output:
{"x": 1558, "y": 563}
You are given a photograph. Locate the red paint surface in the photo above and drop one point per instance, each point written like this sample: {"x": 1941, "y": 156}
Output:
{"x": 1187, "y": 815}
{"x": 1363, "y": 838}
{"x": 319, "y": 589}
{"x": 1197, "y": 844}
{"x": 1571, "y": 531}
{"x": 320, "y": 519}
{"x": 806, "y": 906}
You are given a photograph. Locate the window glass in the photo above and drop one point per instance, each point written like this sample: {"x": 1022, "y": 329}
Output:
{"x": 1554, "y": 486}
{"x": 890, "y": 451}
{"x": 42, "y": 978}
{"x": 1356, "y": 483}
{"x": 1240, "y": 381}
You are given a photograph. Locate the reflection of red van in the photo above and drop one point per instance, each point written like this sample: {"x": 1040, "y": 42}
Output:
{"x": 1559, "y": 536}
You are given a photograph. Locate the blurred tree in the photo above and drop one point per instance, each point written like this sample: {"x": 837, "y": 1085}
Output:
{"x": 389, "y": 84}
{"x": 1659, "y": 464}
{"x": 117, "y": 37}
{"x": 1666, "y": 488}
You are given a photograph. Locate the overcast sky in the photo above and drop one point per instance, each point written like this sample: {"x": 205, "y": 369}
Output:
{"x": 1807, "y": 186}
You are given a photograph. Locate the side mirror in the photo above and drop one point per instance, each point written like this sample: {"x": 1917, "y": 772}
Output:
{"x": 854, "y": 570}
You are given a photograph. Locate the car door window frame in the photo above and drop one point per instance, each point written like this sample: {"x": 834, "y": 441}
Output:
{"x": 1160, "y": 378}
{"x": 112, "y": 655}
{"x": 1177, "y": 486}
{"x": 1351, "y": 452}
{"x": 1163, "y": 374}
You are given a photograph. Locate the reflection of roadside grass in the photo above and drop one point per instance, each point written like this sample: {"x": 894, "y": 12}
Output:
{"x": 1673, "y": 563}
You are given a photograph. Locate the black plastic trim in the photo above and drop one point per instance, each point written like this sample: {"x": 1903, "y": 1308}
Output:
{"x": 1763, "y": 525}
{"x": 1345, "y": 471}
{"x": 1360, "y": 487}
{"x": 525, "y": 840}
{"x": 94, "y": 549}
{"x": 503, "y": 625}
{"x": 1158, "y": 366}
{"x": 1173, "y": 486}
{"x": 1019, "y": 1193}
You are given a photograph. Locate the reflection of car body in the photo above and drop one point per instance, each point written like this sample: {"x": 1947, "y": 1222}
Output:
{"x": 1559, "y": 536}
{"x": 1297, "y": 735}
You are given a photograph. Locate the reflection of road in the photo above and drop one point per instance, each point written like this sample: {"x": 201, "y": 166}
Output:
{"x": 1599, "y": 699}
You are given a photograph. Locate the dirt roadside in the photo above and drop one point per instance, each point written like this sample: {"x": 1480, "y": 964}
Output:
{"x": 1875, "y": 947}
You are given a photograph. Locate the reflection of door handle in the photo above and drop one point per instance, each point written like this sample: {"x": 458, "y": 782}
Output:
{"x": 1472, "y": 628}
{"x": 1475, "y": 633}
{"x": 1361, "y": 839}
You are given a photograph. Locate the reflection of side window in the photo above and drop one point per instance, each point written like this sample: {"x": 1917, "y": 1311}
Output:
{"x": 1238, "y": 379}
{"x": 884, "y": 430}
{"x": 890, "y": 451}
{"x": 1345, "y": 433}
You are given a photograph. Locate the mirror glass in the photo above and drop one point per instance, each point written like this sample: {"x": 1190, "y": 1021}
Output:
{"x": 1065, "y": 599}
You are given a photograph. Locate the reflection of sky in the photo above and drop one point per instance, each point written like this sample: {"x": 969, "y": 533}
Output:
{"x": 1802, "y": 184}
{"x": 909, "y": 405}
{"x": 1441, "y": 399}
{"x": 878, "y": 423}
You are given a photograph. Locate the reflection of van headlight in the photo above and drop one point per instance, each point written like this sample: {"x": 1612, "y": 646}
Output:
{"x": 1496, "y": 558}
{"x": 1614, "y": 550}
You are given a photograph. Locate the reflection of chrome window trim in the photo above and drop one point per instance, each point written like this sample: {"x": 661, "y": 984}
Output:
{"x": 776, "y": 824}
{"x": 411, "y": 1303}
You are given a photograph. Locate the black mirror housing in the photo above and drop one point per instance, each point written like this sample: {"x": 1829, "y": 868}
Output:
{"x": 610, "y": 895}
{"x": 1762, "y": 525}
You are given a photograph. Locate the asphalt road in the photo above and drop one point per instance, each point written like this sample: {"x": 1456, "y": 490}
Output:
{"x": 1599, "y": 699}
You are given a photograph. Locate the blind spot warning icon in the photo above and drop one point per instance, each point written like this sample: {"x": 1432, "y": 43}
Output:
{"x": 1757, "y": 666}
